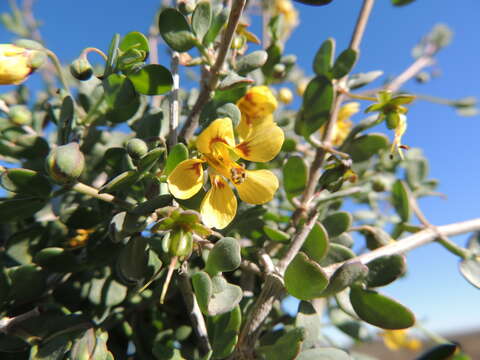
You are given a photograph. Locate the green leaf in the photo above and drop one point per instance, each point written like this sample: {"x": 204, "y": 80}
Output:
{"x": 274, "y": 52}
{"x": 177, "y": 154}
{"x": 224, "y": 256}
{"x": 231, "y": 111}
{"x": 17, "y": 208}
{"x": 356, "y": 81}
{"x": 386, "y": 269}
{"x": 90, "y": 346}
{"x": 323, "y": 353}
{"x": 175, "y": 30}
{"x": 120, "y": 182}
{"x": 337, "y": 253}
{"x": 203, "y": 289}
{"x": 53, "y": 349}
{"x": 473, "y": 243}
{"x": 304, "y": 278}
{"x": 337, "y": 223}
{"x": 289, "y": 345}
{"x": 56, "y": 259}
{"x": 152, "y": 79}
{"x": 322, "y": 63}
{"x": 252, "y": 61}
{"x": 133, "y": 260}
{"x": 65, "y": 120}
{"x": 225, "y": 300}
{"x": 107, "y": 292}
{"x": 400, "y": 200}
{"x": 470, "y": 269}
{"x": 224, "y": 333}
{"x": 308, "y": 319}
{"x": 380, "y": 310}
{"x": 439, "y": 352}
{"x": 275, "y": 234}
{"x": 218, "y": 22}
{"x": 24, "y": 181}
{"x": 233, "y": 80}
{"x": 27, "y": 282}
{"x": 201, "y": 19}
{"x": 401, "y": 2}
{"x": 112, "y": 56}
{"x": 364, "y": 147}
{"x": 317, "y": 101}
{"x": 345, "y": 276}
{"x": 149, "y": 160}
{"x": 316, "y": 244}
{"x": 119, "y": 91}
{"x": 344, "y": 63}
{"x": 135, "y": 40}
{"x": 295, "y": 172}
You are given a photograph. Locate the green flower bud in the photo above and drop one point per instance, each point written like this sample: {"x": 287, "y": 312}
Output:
{"x": 392, "y": 119}
{"x": 81, "y": 69}
{"x": 136, "y": 148}
{"x": 20, "y": 115}
{"x": 65, "y": 163}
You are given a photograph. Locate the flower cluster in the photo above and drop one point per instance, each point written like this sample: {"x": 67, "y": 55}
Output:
{"x": 260, "y": 141}
{"x": 343, "y": 125}
{"x": 400, "y": 339}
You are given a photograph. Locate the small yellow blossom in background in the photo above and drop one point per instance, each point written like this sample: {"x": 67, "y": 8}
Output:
{"x": 257, "y": 107}
{"x": 302, "y": 86}
{"x": 80, "y": 238}
{"x": 219, "y": 151}
{"x": 399, "y": 339}
{"x": 343, "y": 125}
{"x": 14, "y": 64}
{"x": 285, "y": 95}
{"x": 290, "y": 15}
{"x": 399, "y": 131}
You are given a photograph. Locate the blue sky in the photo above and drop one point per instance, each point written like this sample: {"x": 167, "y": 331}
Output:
{"x": 433, "y": 289}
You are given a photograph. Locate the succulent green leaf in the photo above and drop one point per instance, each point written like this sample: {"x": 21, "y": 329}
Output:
{"x": 119, "y": 91}
{"x": 337, "y": 253}
{"x": 323, "y": 353}
{"x": 401, "y": 2}
{"x": 201, "y": 19}
{"x": 218, "y": 22}
{"x": 304, "y": 278}
{"x": 177, "y": 154}
{"x": 112, "y": 56}
{"x": 344, "y": 239}
{"x": 224, "y": 256}
{"x": 385, "y": 269}
{"x": 133, "y": 260}
{"x": 439, "y": 352}
{"x": 203, "y": 288}
{"x": 289, "y": 345}
{"x": 322, "y": 63}
{"x": 224, "y": 334}
{"x": 251, "y": 61}
{"x": 311, "y": 321}
{"x": 25, "y": 181}
{"x": 135, "y": 40}
{"x": 344, "y": 63}
{"x": 27, "y": 282}
{"x": 470, "y": 269}
{"x": 345, "y": 276}
{"x": 56, "y": 259}
{"x": 275, "y": 234}
{"x": 337, "y": 223}
{"x": 90, "y": 346}
{"x": 274, "y": 52}
{"x": 356, "y": 81}
{"x": 316, "y": 244}
{"x": 17, "y": 208}
{"x": 364, "y": 147}
{"x": 295, "y": 174}
{"x": 175, "y": 30}
{"x": 150, "y": 159}
{"x": 473, "y": 243}
{"x": 120, "y": 182}
{"x": 107, "y": 292}
{"x": 317, "y": 102}
{"x": 225, "y": 300}
{"x": 151, "y": 79}
{"x": 231, "y": 111}
{"x": 65, "y": 120}
{"x": 379, "y": 310}
{"x": 400, "y": 200}
{"x": 233, "y": 80}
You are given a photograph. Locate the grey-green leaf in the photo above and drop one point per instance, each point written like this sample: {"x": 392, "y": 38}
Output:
{"x": 201, "y": 19}
{"x": 344, "y": 63}
{"x": 175, "y": 30}
{"x": 386, "y": 269}
{"x": 470, "y": 269}
{"x": 295, "y": 174}
{"x": 364, "y": 147}
{"x": 322, "y": 63}
{"x": 400, "y": 200}
{"x": 337, "y": 223}
{"x": 152, "y": 79}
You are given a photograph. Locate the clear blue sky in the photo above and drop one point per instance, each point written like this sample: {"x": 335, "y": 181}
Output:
{"x": 433, "y": 288}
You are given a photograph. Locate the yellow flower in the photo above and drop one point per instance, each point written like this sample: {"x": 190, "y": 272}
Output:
{"x": 219, "y": 151}
{"x": 343, "y": 125}
{"x": 80, "y": 238}
{"x": 14, "y": 64}
{"x": 398, "y": 339}
{"x": 290, "y": 15}
{"x": 257, "y": 107}
{"x": 399, "y": 131}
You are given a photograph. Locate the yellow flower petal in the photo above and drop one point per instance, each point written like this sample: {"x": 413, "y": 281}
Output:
{"x": 247, "y": 124}
{"x": 186, "y": 179}
{"x": 220, "y": 130}
{"x": 14, "y": 67}
{"x": 399, "y": 131}
{"x": 258, "y": 187}
{"x": 258, "y": 102}
{"x": 262, "y": 144}
{"x": 219, "y": 205}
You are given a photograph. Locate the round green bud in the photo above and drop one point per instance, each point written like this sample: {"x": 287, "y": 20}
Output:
{"x": 20, "y": 115}
{"x": 65, "y": 163}
{"x": 81, "y": 69}
{"x": 136, "y": 148}
{"x": 392, "y": 119}
{"x": 379, "y": 184}
{"x": 279, "y": 71}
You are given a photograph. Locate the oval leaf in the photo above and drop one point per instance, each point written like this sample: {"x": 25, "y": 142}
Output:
{"x": 201, "y": 19}
{"x": 175, "y": 30}
{"x": 386, "y": 269}
{"x": 337, "y": 223}
{"x": 177, "y": 154}
{"x": 316, "y": 244}
{"x": 470, "y": 269}
{"x": 344, "y": 63}
{"x": 295, "y": 174}
{"x": 364, "y": 147}
{"x": 400, "y": 200}
{"x": 152, "y": 79}
{"x": 322, "y": 63}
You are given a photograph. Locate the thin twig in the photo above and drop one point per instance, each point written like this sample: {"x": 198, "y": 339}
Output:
{"x": 174, "y": 107}
{"x": 213, "y": 75}
{"x": 91, "y": 191}
{"x": 410, "y": 72}
{"x": 7, "y": 323}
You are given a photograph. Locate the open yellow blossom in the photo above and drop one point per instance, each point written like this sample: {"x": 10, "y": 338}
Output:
{"x": 14, "y": 64}
{"x": 343, "y": 125}
{"x": 219, "y": 151}
{"x": 257, "y": 107}
{"x": 399, "y": 339}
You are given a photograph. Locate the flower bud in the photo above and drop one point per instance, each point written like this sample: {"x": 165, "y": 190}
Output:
{"x": 81, "y": 69}
{"x": 279, "y": 71}
{"x": 17, "y": 63}
{"x": 65, "y": 163}
{"x": 20, "y": 115}
{"x": 186, "y": 7}
{"x": 136, "y": 148}
{"x": 285, "y": 95}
